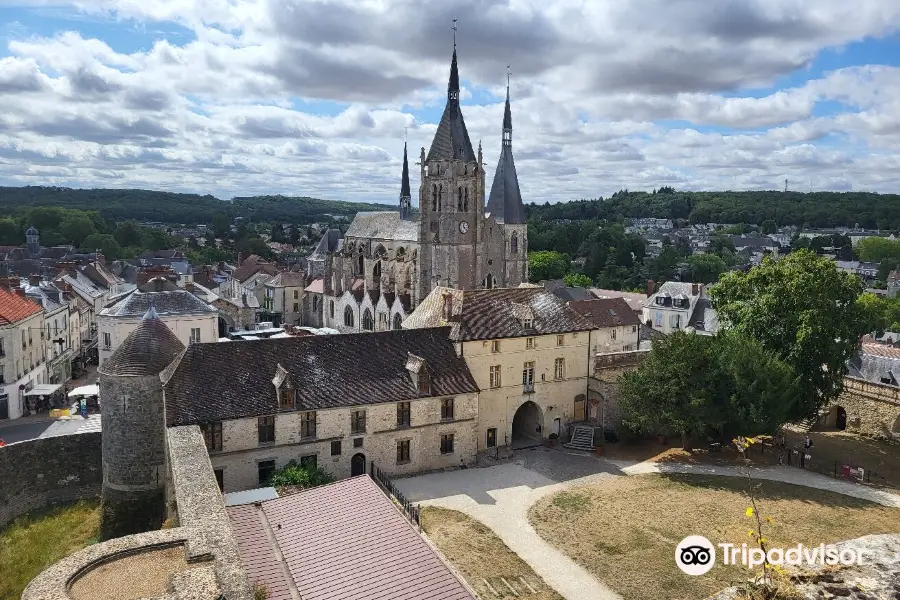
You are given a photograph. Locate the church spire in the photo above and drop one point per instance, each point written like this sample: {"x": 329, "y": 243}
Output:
{"x": 505, "y": 200}
{"x": 405, "y": 194}
{"x": 451, "y": 140}
{"x": 453, "y": 84}
{"x": 507, "y": 115}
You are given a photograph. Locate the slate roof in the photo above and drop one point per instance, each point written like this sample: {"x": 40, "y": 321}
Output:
{"x": 214, "y": 382}
{"x": 328, "y": 244}
{"x": 14, "y": 308}
{"x": 505, "y": 200}
{"x": 451, "y": 140}
{"x": 489, "y": 314}
{"x": 606, "y": 312}
{"x": 558, "y": 288}
{"x": 383, "y": 225}
{"x": 288, "y": 279}
{"x": 705, "y": 318}
{"x": 341, "y": 541}
{"x": 404, "y": 177}
{"x": 179, "y": 302}
{"x": 147, "y": 350}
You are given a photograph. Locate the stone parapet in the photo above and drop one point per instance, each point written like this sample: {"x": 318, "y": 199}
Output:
{"x": 871, "y": 408}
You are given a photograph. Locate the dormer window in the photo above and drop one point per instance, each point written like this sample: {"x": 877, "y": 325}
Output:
{"x": 287, "y": 399}
{"x": 419, "y": 373}
{"x": 285, "y": 389}
{"x": 424, "y": 383}
{"x": 527, "y": 324}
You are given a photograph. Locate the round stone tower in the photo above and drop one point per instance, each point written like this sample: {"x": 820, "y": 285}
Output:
{"x": 134, "y": 456}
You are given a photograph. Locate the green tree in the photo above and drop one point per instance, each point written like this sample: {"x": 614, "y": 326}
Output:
{"x": 294, "y": 474}
{"x": 129, "y": 233}
{"x": 706, "y": 268}
{"x": 295, "y": 236}
{"x": 768, "y": 226}
{"x": 577, "y": 280}
{"x": 154, "y": 238}
{"x": 804, "y": 309}
{"x": 76, "y": 227}
{"x": 547, "y": 264}
{"x": 10, "y": 233}
{"x": 877, "y": 249}
{"x": 253, "y": 245}
{"x": 221, "y": 225}
{"x": 277, "y": 233}
{"x": 105, "y": 243}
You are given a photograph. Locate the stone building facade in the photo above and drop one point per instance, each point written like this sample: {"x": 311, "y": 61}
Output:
{"x": 603, "y": 388}
{"x": 390, "y": 261}
{"x": 22, "y": 349}
{"x": 866, "y": 407}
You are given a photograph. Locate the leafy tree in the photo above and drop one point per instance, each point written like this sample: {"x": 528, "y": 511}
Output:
{"x": 877, "y": 249}
{"x": 75, "y": 228}
{"x": 221, "y": 225}
{"x": 208, "y": 255}
{"x": 277, "y": 233}
{"x": 253, "y": 245}
{"x": 105, "y": 243}
{"x": 706, "y": 268}
{"x": 10, "y": 233}
{"x": 154, "y": 238}
{"x": 804, "y": 309}
{"x": 294, "y": 474}
{"x": 547, "y": 264}
{"x": 767, "y": 227}
{"x": 294, "y": 236}
{"x": 719, "y": 244}
{"x": 129, "y": 233}
{"x": 577, "y": 280}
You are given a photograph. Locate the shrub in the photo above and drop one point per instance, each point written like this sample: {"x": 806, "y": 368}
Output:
{"x": 296, "y": 475}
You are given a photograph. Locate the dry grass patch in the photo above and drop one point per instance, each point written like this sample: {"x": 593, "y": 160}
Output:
{"x": 33, "y": 542}
{"x": 625, "y": 530}
{"x": 479, "y": 555}
{"x": 142, "y": 575}
{"x": 845, "y": 447}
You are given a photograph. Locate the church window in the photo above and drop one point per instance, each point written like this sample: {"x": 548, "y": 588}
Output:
{"x": 514, "y": 243}
{"x": 397, "y": 321}
{"x": 434, "y": 196}
{"x": 376, "y": 271}
{"x": 360, "y": 268}
{"x": 489, "y": 282}
{"x": 466, "y": 200}
{"x": 440, "y": 193}
{"x": 367, "y": 323}
{"x": 459, "y": 204}
{"x": 348, "y": 317}
{"x": 331, "y": 308}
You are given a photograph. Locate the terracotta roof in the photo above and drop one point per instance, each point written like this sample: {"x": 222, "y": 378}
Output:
{"x": 342, "y": 541}
{"x": 288, "y": 279}
{"x": 147, "y": 350}
{"x": 14, "y": 307}
{"x": 634, "y": 300}
{"x": 214, "y": 382}
{"x": 490, "y": 314}
{"x": 252, "y": 265}
{"x": 606, "y": 312}
{"x": 877, "y": 349}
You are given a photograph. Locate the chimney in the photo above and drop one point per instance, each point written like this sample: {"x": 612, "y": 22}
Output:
{"x": 34, "y": 280}
{"x": 695, "y": 289}
{"x": 189, "y": 286}
{"x": 650, "y": 287}
{"x": 240, "y": 259}
{"x": 101, "y": 259}
{"x": 19, "y": 291}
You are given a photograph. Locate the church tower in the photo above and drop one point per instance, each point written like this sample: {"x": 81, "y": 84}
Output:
{"x": 506, "y": 208}
{"x": 451, "y": 201}
{"x": 134, "y": 429}
{"x": 405, "y": 194}
{"x": 33, "y": 242}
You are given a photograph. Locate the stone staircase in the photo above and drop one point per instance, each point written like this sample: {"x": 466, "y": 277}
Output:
{"x": 582, "y": 439}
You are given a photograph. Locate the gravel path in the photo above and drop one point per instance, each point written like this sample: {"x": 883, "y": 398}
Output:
{"x": 500, "y": 496}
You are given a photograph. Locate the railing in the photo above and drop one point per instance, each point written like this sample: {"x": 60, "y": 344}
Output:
{"x": 410, "y": 510}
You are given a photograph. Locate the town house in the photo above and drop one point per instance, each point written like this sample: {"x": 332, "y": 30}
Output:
{"x": 22, "y": 348}
{"x": 283, "y": 298}
{"x": 400, "y": 399}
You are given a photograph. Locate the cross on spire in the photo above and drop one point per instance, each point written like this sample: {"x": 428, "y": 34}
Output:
{"x": 454, "y": 28}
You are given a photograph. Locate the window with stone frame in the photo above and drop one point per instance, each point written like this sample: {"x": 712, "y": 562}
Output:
{"x": 447, "y": 443}
{"x": 336, "y": 448}
{"x": 560, "y": 340}
{"x": 402, "y": 452}
{"x": 265, "y": 428}
{"x": 495, "y": 346}
{"x": 495, "y": 376}
{"x": 212, "y": 435}
{"x": 403, "y": 414}
{"x": 358, "y": 421}
{"x": 528, "y": 373}
{"x": 308, "y": 424}
{"x": 559, "y": 368}
{"x": 529, "y": 343}
{"x": 287, "y": 398}
{"x": 367, "y": 322}
{"x": 348, "y": 317}
{"x": 447, "y": 409}
{"x": 265, "y": 469}
{"x": 424, "y": 382}
{"x": 310, "y": 461}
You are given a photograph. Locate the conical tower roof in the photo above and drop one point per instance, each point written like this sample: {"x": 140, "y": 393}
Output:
{"x": 505, "y": 202}
{"x": 451, "y": 140}
{"x": 404, "y": 183}
{"x": 147, "y": 350}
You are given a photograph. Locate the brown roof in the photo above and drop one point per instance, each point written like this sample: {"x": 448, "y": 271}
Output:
{"x": 635, "y": 301}
{"x": 342, "y": 541}
{"x": 214, "y": 382}
{"x": 488, "y": 314}
{"x": 147, "y": 350}
{"x": 878, "y": 349}
{"x": 14, "y": 307}
{"x": 252, "y": 265}
{"x": 606, "y": 312}
{"x": 288, "y": 279}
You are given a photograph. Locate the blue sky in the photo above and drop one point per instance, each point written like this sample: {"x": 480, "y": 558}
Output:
{"x": 300, "y": 97}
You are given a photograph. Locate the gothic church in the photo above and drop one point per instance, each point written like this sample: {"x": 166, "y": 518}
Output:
{"x": 373, "y": 276}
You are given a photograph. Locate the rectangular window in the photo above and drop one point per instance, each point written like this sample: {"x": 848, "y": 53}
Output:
{"x": 357, "y": 442}
{"x": 495, "y": 376}
{"x": 266, "y": 429}
{"x": 336, "y": 448}
{"x": 308, "y": 424}
{"x": 220, "y": 478}
{"x": 528, "y": 373}
{"x": 287, "y": 399}
{"x": 447, "y": 409}
{"x": 560, "y": 340}
{"x": 492, "y": 437}
{"x": 2, "y": 351}
{"x": 612, "y": 333}
{"x": 107, "y": 340}
{"x": 447, "y": 443}
{"x": 634, "y": 329}
{"x": 529, "y": 343}
{"x": 24, "y": 341}
{"x": 195, "y": 335}
{"x": 358, "y": 421}
{"x": 424, "y": 383}
{"x": 296, "y": 307}
{"x": 658, "y": 319}
{"x": 296, "y": 294}
{"x": 559, "y": 368}
{"x": 403, "y": 414}
{"x": 402, "y": 452}
{"x": 266, "y": 469}
{"x": 310, "y": 460}
{"x": 212, "y": 434}
{"x": 527, "y": 324}
{"x": 495, "y": 346}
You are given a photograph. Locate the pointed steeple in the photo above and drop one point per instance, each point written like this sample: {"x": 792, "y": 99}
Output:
{"x": 453, "y": 84}
{"x": 405, "y": 194}
{"x": 505, "y": 202}
{"x": 451, "y": 140}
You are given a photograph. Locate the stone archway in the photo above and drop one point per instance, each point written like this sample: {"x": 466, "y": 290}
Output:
{"x": 226, "y": 324}
{"x": 836, "y": 418}
{"x": 358, "y": 464}
{"x": 527, "y": 426}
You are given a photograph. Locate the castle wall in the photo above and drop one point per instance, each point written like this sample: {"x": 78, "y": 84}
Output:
{"x": 47, "y": 471}
{"x": 603, "y": 385}
{"x": 872, "y": 408}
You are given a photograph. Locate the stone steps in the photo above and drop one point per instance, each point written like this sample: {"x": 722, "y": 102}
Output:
{"x": 582, "y": 439}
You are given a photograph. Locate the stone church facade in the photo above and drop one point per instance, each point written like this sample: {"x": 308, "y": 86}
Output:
{"x": 376, "y": 273}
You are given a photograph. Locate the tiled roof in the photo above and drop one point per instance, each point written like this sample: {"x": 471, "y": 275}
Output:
{"x": 14, "y": 308}
{"x": 147, "y": 350}
{"x": 179, "y": 302}
{"x": 342, "y": 541}
{"x": 214, "y": 382}
{"x": 505, "y": 200}
{"x": 635, "y": 301}
{"x": 316, "y": 287}
{"x": 876, "y": 349}
{"x": 252, "y": 265}
{"x": 383, "y": 225}
{"x": 606, "y": 312}
{"x": 488, "y": 314}
{"x": 288, "y": 279}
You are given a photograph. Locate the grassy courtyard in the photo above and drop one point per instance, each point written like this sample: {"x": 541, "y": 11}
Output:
{"x": 482, "y": 558}
{"x": 34, "y": 542}
{"x": 625, "y": 530}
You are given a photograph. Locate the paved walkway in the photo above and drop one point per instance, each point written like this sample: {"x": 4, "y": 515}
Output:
{"x": 500, "y": 496}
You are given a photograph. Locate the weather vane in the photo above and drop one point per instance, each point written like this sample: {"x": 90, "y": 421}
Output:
{"x": 508, "y": 72}
{"x": 454, "y": 28}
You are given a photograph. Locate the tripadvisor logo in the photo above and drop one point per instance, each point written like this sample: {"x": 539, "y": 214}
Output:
{"x": 695, "y": 555}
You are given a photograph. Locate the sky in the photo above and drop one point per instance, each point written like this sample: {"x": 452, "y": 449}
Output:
{"x": 316, "y": 97}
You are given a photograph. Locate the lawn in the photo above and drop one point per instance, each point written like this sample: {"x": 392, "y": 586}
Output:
{"x": 482, "y": 558}
{"x": 33, "y": 542}
{"x": 844, "y": 447}
{"x": 624, "y": 530}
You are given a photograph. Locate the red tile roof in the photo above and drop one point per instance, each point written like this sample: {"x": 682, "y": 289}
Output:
{"x": 343, "y": 541}
{"x": 14, "y": 307}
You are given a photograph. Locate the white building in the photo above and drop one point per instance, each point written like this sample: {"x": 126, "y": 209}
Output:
{"x": 22, "y": 354}
{"x": 678, "y": 305}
